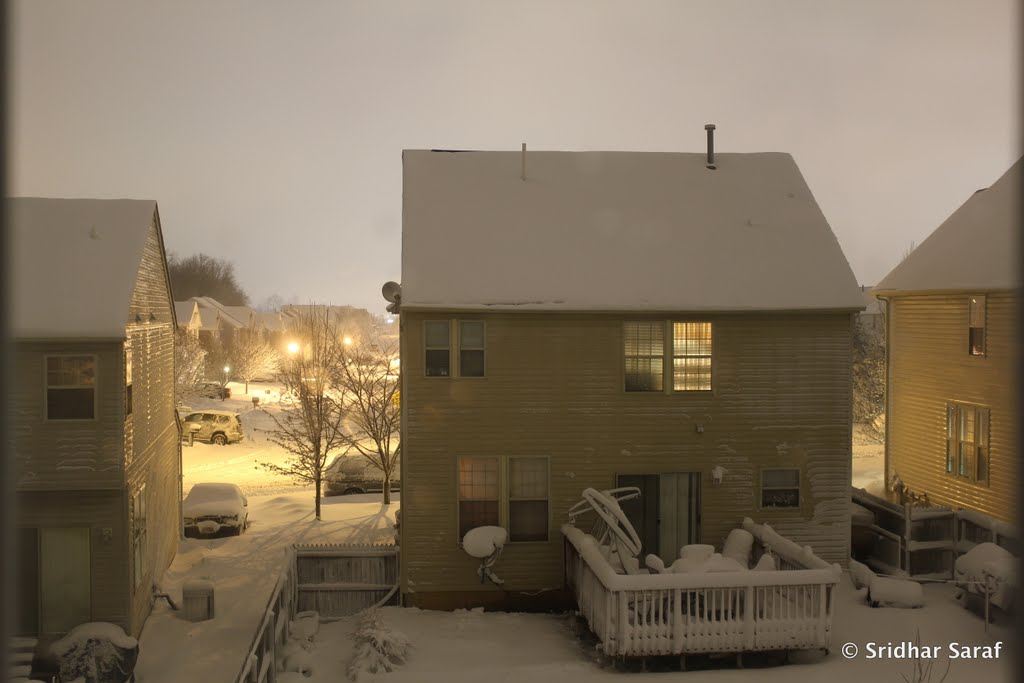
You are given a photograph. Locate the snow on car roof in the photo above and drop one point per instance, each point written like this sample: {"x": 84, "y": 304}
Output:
{"x": 216, "y": 491}
{"x": 215, "y": 412}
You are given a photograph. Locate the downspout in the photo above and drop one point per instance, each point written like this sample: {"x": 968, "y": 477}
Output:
{"x": 888, "y": 391}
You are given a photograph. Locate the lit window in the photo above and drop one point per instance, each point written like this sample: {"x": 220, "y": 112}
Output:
{"x": 70, "y": 387}
{"x": 128, "y": 378}
{"x": 437, "y": 335}
{"x": 780, "y": 488}
{"x": 478, "y": 493}
{"x": 976, "y": 326}
{"x": 471, "y": 348}
{"x": 691, "y": 356}
{"x": 528, "y": 499}
{"x": 967, "y": 434}
{"x": 644, "y": 355}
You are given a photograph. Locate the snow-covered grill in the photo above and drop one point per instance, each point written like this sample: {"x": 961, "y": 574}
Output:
{"x": 690, "y": 613}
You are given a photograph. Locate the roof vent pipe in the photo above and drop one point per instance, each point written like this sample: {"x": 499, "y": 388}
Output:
{"x": 524, "y": 162}
{"x": 710, "y": 128}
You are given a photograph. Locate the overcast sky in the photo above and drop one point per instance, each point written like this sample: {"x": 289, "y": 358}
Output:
{"x": 270, "y": 133}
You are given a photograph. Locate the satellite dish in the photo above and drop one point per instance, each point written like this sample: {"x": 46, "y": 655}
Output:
{"x": 392, "y": 291}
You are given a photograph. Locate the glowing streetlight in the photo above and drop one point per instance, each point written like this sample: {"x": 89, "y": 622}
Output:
{"x": 293, "y": 347}
{"x": 227, "y": 369}
{"x": 348, "y": 341}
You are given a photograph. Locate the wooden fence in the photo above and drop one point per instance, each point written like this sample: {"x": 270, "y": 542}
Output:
{"x": 679, "y": 614}
{"x": 924, "y": 541}
{"x": 333, "y": 580}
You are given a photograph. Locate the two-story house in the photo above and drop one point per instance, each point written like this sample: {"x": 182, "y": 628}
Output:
{"x": 596, "y": 319}
{"x": 94, "y": 433}
{"x": 951, "y": 408}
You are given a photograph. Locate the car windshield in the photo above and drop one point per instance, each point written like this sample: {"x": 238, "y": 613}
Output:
{"x": 194, "y": 417}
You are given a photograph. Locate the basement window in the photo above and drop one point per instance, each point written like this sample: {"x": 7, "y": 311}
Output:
{"x": 780, "y": 488}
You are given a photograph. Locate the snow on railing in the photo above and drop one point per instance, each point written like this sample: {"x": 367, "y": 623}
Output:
{"x": 700, "y": 612}
{"x": 261, "y": 663}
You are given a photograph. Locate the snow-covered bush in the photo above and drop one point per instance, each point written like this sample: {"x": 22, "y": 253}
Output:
{"x": 860, "y": 574}
{"x": 96, "y": 652}
{"x": 887, "y": 592}
{"x": 738, "y": 546}
{"x": 988, "y": 562}
{"x": 378, "y": 647}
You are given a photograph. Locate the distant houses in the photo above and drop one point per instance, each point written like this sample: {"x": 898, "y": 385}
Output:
{"x": 95, "y": 436}
{"x": 603, "y": 319}
{"x": 952, "y": 418}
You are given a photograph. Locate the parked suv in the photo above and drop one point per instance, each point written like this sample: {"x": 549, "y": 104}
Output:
{"x": 216, "y": 426}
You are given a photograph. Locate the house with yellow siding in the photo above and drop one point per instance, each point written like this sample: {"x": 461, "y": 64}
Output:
{"x": 94, "y": 435}
{"x": 951, "y": 409}
{"x": 672, "y": 321}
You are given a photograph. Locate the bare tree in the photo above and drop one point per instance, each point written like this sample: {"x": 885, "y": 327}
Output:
{"x": 869, "y": 375}
{"x": 253, "y": 357}
{"x": 313, "y": 427}
{"x": 202, "y": 275}
{"x": 189, "y": 365}
{"x": 368, "y": 383}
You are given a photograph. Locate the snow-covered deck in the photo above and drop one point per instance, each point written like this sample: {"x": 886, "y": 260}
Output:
{"x": 689, "y": 613}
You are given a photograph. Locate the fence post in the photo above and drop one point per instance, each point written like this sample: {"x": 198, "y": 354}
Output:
{"x": 748, "y": 617}
{"x": 908, "y": 532}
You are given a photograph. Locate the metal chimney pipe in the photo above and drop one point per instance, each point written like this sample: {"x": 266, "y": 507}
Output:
{"x": 710, "y": 128}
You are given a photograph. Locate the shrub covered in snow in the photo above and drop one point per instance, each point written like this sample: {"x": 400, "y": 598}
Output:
{"x": 378, "y": 648}
{"x": 860, "y": 574}
{"x": 96, "y": 652}
{"x": 738, "y": 546}
{"x": 887, "y": 592}
{"x": 988, "y": 562}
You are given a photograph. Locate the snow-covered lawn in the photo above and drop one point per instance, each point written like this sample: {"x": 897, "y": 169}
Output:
{"x": 244, "y": 570}
{"x": 475, "y": 646}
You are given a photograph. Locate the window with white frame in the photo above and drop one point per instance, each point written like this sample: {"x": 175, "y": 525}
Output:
{"x": 976, "y": 326}
{"x": 967, "y": 435}
{"x": 510, "y": 492}
{"x": 437, "y": 341}
{"x": 478, "y": 493}
{"x": 780, "y": 487}
{"x": 138, "y": 505}
{"x": 691, "y": 356}
{"x": 644, "y": 355}
{"x": 70, "y": 387}
{"x": 528, "y": 499}
{"x": 128, "y": 378}
{"x": 471, "y": 348}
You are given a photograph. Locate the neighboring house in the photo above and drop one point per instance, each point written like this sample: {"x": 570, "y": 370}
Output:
{"x": 189, "y": 320}
{"x": 95, "y": 437}
{"x": 215, "y": 322}
{"x": 615, "y": 319}
{"x": 951, "y": 411}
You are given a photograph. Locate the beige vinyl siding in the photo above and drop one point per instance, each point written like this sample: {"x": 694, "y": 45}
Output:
{"x": 67, "y": 454}
{"x": 929, "y": 366}
{"x": 554, "y": 388}
{"x": 99, "y": 510}
{"x": 152, "y": 426}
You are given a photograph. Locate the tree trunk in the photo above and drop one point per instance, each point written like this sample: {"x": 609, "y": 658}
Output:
{"x": 317, "y": 499}
{"x": 387, "y": 488}
{"x": 247, "y": 386}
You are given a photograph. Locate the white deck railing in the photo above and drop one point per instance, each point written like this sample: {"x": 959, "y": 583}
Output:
{"x": 690, "y": 613}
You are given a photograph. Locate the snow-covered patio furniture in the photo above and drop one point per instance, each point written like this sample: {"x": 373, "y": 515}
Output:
{"x": 701, "y": 611}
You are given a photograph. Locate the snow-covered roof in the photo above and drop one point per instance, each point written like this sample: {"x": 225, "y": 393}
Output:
{"x": 593, "y": 231}
{"x": 184, "y": 310}
{"x": 73, "y": 265}
{"x": 212, "y": 312}
{"x": 270, "y": 321}
{"x": 974, "y": 249}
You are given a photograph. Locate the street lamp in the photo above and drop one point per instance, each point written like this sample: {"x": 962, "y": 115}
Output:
{"x": 348, "y": 341}
{"x": 293, "y": 348}
{"x": 227, "y": 369}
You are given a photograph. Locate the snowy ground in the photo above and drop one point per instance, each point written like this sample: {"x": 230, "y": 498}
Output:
{"x": 239, "y": 463}
{"x": 475, "y": 646}
{"x": 244, "y": 570}
{"x": 868, "y": 461}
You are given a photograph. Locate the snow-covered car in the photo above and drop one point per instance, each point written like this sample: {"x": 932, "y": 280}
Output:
{"x": 216, "y": 426}
{"x": 209, "y": 509}
{"x": 351, "y": 474}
